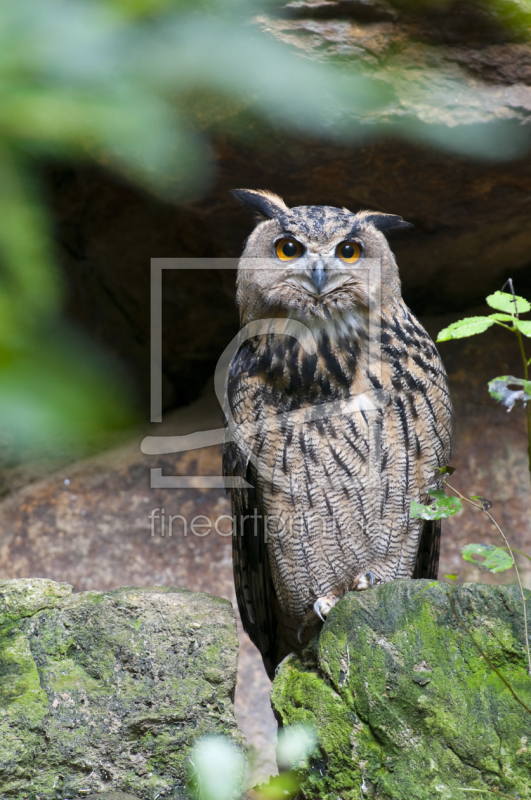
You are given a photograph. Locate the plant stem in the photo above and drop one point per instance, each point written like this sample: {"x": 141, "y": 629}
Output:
{"x": 516, "y": 315}
{"x": 485, "y": 511}
{"x": 528, "y": 406}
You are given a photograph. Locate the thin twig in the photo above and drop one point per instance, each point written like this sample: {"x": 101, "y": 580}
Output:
{"x": 528, "y": 405}
{"x": 485, "y": 656}
{"x": 485, "y": 511}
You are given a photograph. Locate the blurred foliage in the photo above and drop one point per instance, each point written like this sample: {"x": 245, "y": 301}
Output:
{"x": 216, "y": 769}
{"x": 495, "y": 559}
{"x": 135, "y": 85}
{"x": 443, "y": 506}
{"x": 216, "y": 766}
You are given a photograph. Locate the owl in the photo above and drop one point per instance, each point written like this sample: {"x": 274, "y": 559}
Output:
{"x": 338, "y": 416}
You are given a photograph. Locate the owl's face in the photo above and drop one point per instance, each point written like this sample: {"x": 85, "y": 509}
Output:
{"x": 316, "y": 264}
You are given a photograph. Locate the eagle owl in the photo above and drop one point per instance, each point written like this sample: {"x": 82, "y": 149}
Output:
{"x": 338, "y": 415}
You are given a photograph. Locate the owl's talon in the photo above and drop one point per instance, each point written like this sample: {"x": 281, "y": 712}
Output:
{"x": 365, "y": 582}
{"x": 323, "y": 606}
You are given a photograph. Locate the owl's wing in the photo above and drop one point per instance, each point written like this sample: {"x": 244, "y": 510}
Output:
{"x": 427, "y": 564}
{"x": 252, "y": 575}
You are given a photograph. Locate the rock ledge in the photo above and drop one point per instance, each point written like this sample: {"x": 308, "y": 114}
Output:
{"x": 405, "y": 706}
{"x": 106, "y": 691}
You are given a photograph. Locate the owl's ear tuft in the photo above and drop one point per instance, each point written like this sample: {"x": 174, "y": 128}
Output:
{"x": 266, "y": 204}
{"x": 386, "y": 223}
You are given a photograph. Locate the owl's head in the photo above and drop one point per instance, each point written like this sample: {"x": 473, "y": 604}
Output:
{"x": 316, "y": 264}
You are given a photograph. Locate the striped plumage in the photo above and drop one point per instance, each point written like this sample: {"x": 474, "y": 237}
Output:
{"x": 367, "y": 419}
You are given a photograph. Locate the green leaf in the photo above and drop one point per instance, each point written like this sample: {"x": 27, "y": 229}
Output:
{"x": 496, "y": 558}
{"x": 502, "y": 301}
{"x": 513, "y": 550}
{"x": 451, "y": 577}
{"x": 447, "y": 470}
{"x": 439, "y": 494}
{"x": 508, "y": 390}
{"x": 524, "y": 326}
{"x": 442, "y": 508}
{"x": 501, "y": 317}
{"x": 465, "y": 327}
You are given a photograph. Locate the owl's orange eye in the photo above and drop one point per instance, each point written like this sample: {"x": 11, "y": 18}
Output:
{"x": 349, "y": 251}
{"x": 288, "y": 249}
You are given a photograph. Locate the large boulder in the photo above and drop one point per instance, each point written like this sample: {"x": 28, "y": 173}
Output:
{"x": 107, "y": 691}
{"x": 405, "y": 705}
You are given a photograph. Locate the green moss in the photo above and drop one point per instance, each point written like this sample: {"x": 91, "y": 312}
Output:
{"x": 109, "y": 690}
{"x": 404, "y": 702}
{"x": 302, "y": 697}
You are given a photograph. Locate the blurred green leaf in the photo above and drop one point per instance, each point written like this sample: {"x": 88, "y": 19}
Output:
{"x": 496, "y": 559}
{"x": 465, "y": 327}
{"x": 296, "y": 743}
{"x": 503, "y": 301}
{"x": 29, "y": 283}
{"x": 281, "y": 787}
{"x": 439, "y": 494}
{"x": 49, "y": 394}
{"x": 216, "y": 769}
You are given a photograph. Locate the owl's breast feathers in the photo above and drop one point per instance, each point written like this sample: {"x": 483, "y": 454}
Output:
{"x": 336, "y": 445}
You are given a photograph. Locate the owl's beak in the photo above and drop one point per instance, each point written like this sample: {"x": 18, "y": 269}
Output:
{"x": 318, "y": 275}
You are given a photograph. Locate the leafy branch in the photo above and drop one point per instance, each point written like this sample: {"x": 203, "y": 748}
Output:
{"x": 506, "y": 389}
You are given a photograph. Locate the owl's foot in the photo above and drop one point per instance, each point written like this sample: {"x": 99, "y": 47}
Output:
{"x": 321, "y": 609}
{"x": 364, "y": 582}
{"x": 323, "y": 606}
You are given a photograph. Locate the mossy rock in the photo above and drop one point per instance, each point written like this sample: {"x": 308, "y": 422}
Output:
{"x": 106, "y": 691}
{"x": 405, "y": 705}
{"x": 109, "y": 796}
